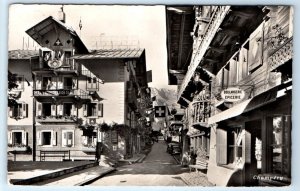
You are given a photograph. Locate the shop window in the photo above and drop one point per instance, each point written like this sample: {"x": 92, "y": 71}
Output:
{"x": 18, "y": 111}
{"x": 229, "y": 145}
{"x": 68, "y": 138}
{"x": 93, "y": 110}
{"x": 280, "y": 147}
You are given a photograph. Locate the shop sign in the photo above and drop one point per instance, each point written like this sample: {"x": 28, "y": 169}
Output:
{"x": 232, "y": 94}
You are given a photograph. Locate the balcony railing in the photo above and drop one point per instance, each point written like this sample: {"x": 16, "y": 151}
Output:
{"x": 201, "y": 113}
{"x": 281, "y": 55}
{"x": 69, "y": 65}
{"x": 203, "y": 44}
{"x": 55, "y": 119}
{"x": 76, "y": 93}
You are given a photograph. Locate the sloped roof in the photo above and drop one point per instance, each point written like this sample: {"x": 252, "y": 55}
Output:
{"x": 22, "y": 54}
{"x": 48, "y": 24}
{"x": 111, "y": 53}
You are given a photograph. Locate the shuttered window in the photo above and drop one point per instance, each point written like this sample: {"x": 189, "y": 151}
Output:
{"x": 17, "y": 138}
{"x": 255, "y": 55}
{"x": 100, "y": 109}
{"x": 243, "y": 64}
{"x": 19, "y": 111}
{"x": 221, "y": 146}
{"x": 68, "y": 138}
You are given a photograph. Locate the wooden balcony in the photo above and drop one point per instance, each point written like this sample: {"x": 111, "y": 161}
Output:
{"x": 73, "y": 93}
{"x": 88, "y": 149}
{"x": 56, "y": 119}
{"x": 69, "y": 66}
{"x": 201, "y": 113}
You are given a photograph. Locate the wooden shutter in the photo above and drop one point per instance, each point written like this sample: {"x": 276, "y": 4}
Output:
{"x": 69, "y": 138}
{"x": 247, "y": 147}
{"x": 232, "y": 72}
{"x": 95, "y": 140}
{"x": 39, "y": 138}
{"x": 255, "y": 55}
{"x": 84, "y": 140}
{"x": 85, "y": 110}
{"x": 100, "y": 109}
{"x": 64, "y": 139}
{"x": 9, "y": 136}
{"x": 221, "y": 146}
{"x": 11, "y": 109}
{"x": 74, "y": 110}
{"x": 39, "y": 108}
{"x": 74, "y": 83}
{"x": 54, "y": 83}
{"x": 23, "y": 110}
{"x": 60, "y": 109}
{"x": 38, "y": 82}
{"x": 24, "y": 138}
{"x": 243, "y": 63}
{"x": 60, "y": 83}
{"x": 225, "y": 78}
{"x": 54, "y": 138}
{"x": 53, "y": 110}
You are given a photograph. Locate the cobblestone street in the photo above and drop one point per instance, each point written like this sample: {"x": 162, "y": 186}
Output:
{"x": 158, "y": 169}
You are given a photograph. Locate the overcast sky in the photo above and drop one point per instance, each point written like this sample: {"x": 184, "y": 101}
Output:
{"x": 143, "y": 26}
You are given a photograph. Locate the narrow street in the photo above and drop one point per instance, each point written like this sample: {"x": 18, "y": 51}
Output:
{"x": 158, "y": 169}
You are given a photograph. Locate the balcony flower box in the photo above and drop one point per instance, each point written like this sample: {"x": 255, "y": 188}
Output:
{"x": 19, "y": 148}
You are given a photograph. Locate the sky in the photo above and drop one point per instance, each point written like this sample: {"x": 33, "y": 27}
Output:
{"x": 136, "y": 26}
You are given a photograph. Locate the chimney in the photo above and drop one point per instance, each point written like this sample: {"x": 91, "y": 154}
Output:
{"x": 62, "y": 15}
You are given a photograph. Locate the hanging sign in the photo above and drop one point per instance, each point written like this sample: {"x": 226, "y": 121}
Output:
{"x": 232, "y": 94}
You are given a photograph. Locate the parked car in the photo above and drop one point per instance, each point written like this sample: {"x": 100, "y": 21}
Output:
{"x": 176, "y": 150}
{"x": 170, "y": 147}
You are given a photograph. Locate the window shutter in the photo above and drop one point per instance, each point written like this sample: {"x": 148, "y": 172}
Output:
{"x": 221, "y": 146}
{"x": 243, "y": 63}
{"x": 95, "y": 141}
{"x": 100, "y": 109}
{"x": 74, "y": 110}
{"x": 84, "y": 140}
{"x": 64, "y": 139}
{"x": 60, "y": 83}
{"x": 232, "y": 72}
{"x": 11, "y": 109}
{"x": 39, "y": 108}
{"x": 53, "y": 110}
{"x": 23, "y": 110}
{"x": 74, "y": 83}
{"x": 256, "y": 48}
{"x": 85, "y": 110}
{"x": 54, "y": 138}
{"x": 9, "y": 135}
{"x": 225, "y": 78}
{"x": 38, "y": 82}
{"x": 247, "y": 145}
{"x": 39, "y": 138}
{"x": 60, "y": 109}
{"x": 54, "y": 83}
{"x": 24, "y": 138}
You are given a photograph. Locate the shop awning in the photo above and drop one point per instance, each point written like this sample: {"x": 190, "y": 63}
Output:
{"x": 229, "y": 113}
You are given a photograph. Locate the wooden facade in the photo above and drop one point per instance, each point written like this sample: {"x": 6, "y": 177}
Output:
{"x": 234, "y": 50}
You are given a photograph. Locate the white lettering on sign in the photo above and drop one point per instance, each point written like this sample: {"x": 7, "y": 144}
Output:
{"x": 233, "y": 94}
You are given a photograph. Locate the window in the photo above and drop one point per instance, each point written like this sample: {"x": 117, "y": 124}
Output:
{"x": 68, "y": 109}
{"x": 280, "y": 147}
{"x": 68, "y": 138}
{"x": 89, "y": 138}
{"x": 229, "y": 145}
{"x": 93, "y": 109}
{"x": 18, "y": 111}
{"x": 46, "y": 138}
{"x": 70, "y": 83}
{"x": 20, "y": 83}
{"x": 46, "y": 109}
{"x": 17, "y": 138}
{"x": 92, "y": 83}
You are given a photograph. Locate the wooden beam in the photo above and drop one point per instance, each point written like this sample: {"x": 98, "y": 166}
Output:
{"x": 218, "y": 49}
{"x": 211, "y": 60}
{"x": 181, "y": 40}
{"x": 232, "y": 31}
{"x": 243, "y": 14}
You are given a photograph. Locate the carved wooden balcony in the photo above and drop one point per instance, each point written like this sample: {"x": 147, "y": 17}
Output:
{"x": 200, "y": 113}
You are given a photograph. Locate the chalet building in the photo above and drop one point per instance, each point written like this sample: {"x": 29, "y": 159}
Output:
{"x": 71, "y": 99}
{"x": 237, "y": 92}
